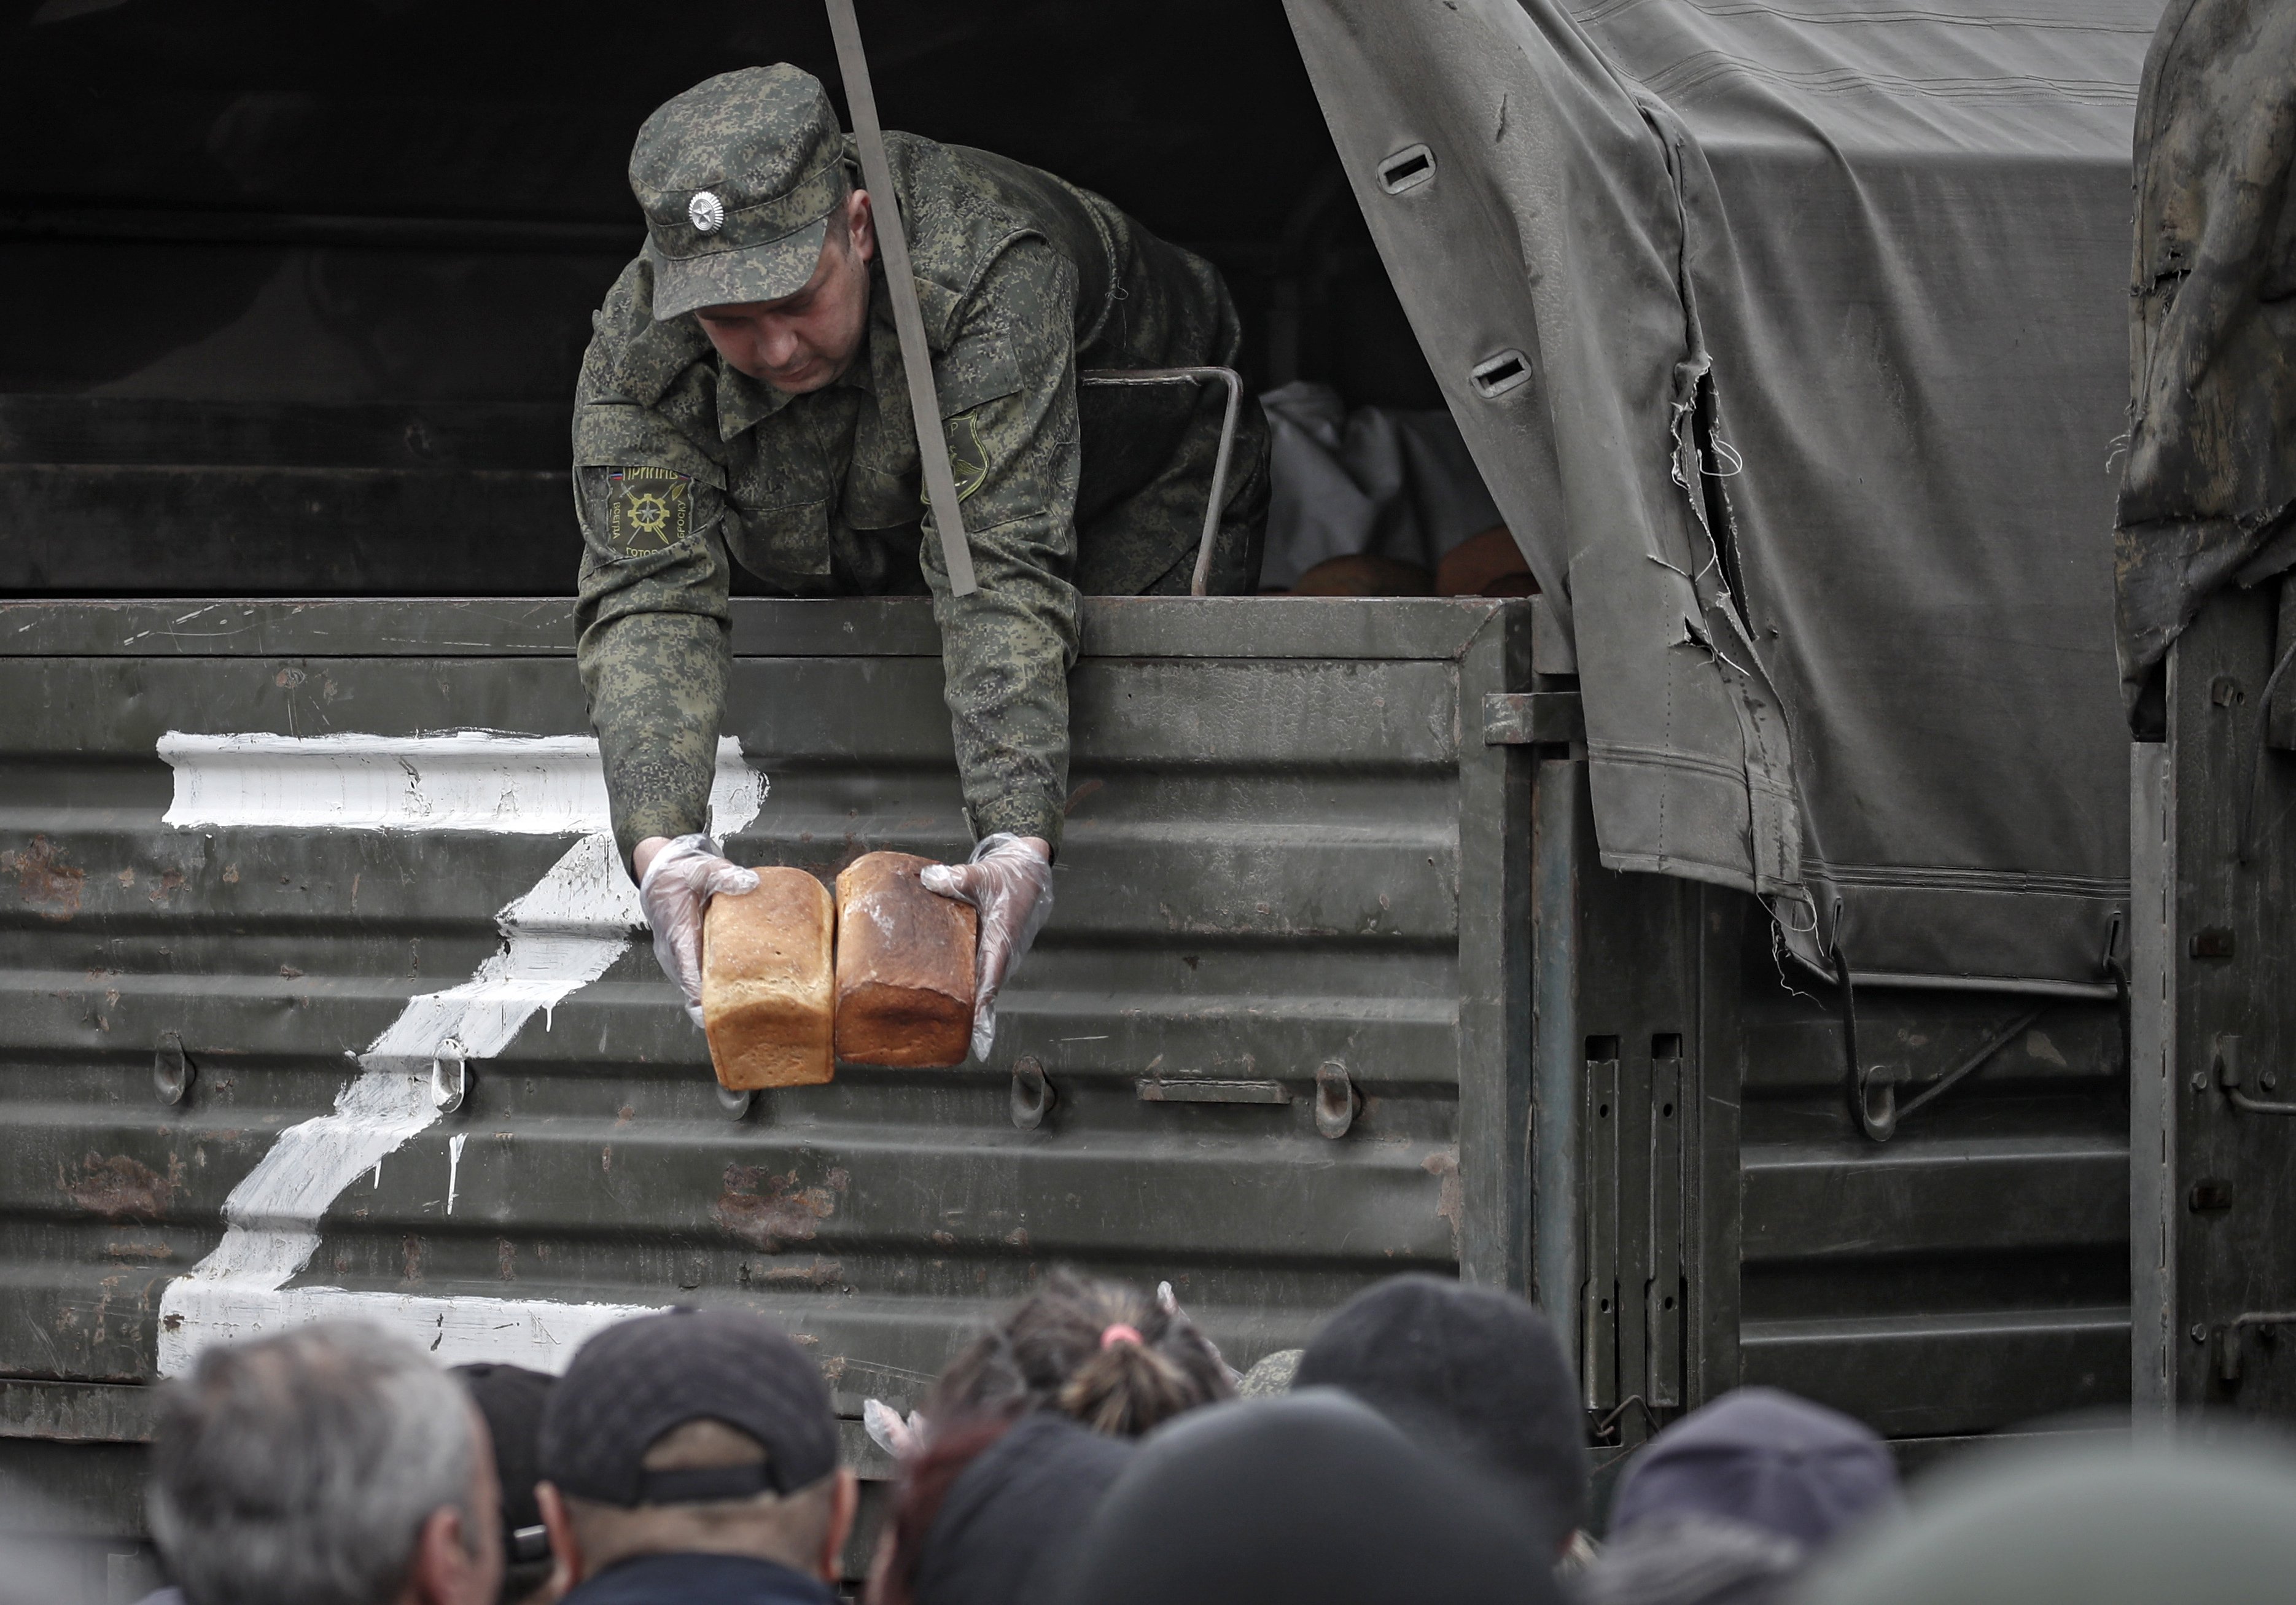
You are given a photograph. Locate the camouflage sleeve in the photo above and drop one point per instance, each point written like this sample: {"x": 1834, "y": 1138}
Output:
{"x": 653, "y": 642}
{"x": 1008, "y": 380}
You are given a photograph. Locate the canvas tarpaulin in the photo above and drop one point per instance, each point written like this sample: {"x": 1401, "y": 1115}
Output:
{"x": 1820, "y": 307}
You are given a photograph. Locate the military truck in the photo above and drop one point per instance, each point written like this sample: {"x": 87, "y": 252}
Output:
{"x": 1726, "y": 947}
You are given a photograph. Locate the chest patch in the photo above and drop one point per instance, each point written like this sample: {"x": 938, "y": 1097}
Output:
{"x": 647, "y": 509}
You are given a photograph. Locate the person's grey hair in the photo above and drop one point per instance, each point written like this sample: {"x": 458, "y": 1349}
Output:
{"x": 299, "y": 1469}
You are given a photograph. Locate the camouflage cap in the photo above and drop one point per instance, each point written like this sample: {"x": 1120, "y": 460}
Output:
{"x": 737, "y": 178}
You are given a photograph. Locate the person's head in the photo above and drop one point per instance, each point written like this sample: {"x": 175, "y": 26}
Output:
{"x": 695, "y": 1432}
{"x": 330, "y": 1465}
{"x": 511, "y": 1399}
{"x": 1691, "y": 1560}
{"x": 1472, "y": 1372}
{"x": 754, "y": 227}
{"x": 1111, "y": 1356}
{"x": 1763, "y": 1459}
{"x": 1313, "y": 1496}
{"x": 988, "y": 1511}
{"x": 2110, "y": 1522}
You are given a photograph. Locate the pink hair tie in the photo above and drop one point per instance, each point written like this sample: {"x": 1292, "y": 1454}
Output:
{"x": 1111, "y": 1336}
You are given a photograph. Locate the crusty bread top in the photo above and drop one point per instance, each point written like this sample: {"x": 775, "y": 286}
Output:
{"x": 777, "y": 940}
{"x": 892, "y": 932}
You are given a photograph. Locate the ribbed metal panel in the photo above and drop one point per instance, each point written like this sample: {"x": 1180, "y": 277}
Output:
{"x": 1973, "y": 1272}
{"x": 1282, "y": 851}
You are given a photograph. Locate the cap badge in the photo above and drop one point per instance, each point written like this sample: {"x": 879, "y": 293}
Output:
{"x": 706, "y": 212}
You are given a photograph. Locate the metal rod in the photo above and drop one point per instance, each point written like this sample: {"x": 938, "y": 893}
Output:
{"x": 1986, "y": 1050}
{"x": 1876, "y": 1124}
{"x": 1201, "y": 583}
{"x": 908, "y": 320}
{"x": 2231, "y": 1076}
{"x": 1558, "y": 1059}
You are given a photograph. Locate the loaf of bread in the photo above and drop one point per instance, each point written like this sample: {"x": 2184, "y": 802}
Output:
{"x": 768, "y": 990}
{"x": 903, "y": 967}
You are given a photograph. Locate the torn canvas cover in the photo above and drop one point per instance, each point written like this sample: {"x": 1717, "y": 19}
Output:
{"x": 1818, "y": 311}
{"x": 2209, "y": 494}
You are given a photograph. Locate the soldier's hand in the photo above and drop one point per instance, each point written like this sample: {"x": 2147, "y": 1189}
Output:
{"x": 1010, "y": 881}
{"x": 683, "y": 873}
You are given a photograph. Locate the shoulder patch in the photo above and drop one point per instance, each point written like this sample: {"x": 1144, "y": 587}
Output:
{"x": 968, "y": 464}
{"x": 647, "y": 509}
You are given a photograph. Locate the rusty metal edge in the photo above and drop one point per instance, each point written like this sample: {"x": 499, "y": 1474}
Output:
{"x": 1385, "y": 628}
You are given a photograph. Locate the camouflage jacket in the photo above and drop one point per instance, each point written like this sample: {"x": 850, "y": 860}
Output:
{"x": 683, "y": 466}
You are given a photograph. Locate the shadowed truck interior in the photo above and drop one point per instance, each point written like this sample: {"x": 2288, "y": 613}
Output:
{"x": 301, "y": 292}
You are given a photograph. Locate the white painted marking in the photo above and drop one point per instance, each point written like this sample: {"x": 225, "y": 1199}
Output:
{"x": 538, "y": 1333}
{"x": 470, "y": 780}
{"x": 454, "y": 1164}
{"x": 561, "y": 935}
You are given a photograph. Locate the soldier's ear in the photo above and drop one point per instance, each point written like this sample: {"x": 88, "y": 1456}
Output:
{"x": 861, "y": 225}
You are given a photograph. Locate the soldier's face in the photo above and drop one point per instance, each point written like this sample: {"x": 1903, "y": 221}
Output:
{"x": 804, "y": 341}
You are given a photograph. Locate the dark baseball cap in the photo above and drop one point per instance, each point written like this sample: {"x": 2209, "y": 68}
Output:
{"x": 643, "y": 1378}
{"x": 1768, "y": 1459}
{"x": 1473, "y": 1373}
{"x": 737, "y": 178}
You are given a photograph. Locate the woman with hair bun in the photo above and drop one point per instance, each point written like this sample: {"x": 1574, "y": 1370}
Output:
{"x": 1003, "y": 1465}
{"x": 1114, "y": 1358}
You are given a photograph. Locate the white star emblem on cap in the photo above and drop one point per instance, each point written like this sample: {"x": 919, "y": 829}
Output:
{"x": 706, "y": 213}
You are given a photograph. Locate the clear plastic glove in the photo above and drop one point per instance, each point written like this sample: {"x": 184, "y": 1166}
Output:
{"x": 685, "y": 873}
{"x": 1010, "y": 881}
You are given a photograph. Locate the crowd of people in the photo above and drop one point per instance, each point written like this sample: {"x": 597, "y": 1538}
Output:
{"x": 1093, "y": 1448}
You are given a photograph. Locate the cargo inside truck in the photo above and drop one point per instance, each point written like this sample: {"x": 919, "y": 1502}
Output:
{"x": 1723, "y": 946}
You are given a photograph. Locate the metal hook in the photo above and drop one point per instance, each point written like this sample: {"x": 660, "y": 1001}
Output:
{"x": 1336, "y": 1099}
{"x": 1033, "y": 1096}
{"x": 446, "y": 1096}
{"x": 172, "y": 1074}
{"x": 1609, "y": 1424}
{"x": 1875, "y": 1100}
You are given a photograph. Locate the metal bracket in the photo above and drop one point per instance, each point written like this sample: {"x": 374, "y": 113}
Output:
{"x": 1199, "y": 586}
{"x": 2227, "y": 1336}
{"x": 172, "y": 1073}
{"x": 1194, "y": 1089}
{"x": 1533, "y": 718}
{"x": 1033, "y": 1096}
{"x": 1336, "y": 1099}
{"x": 449, "y": 1088}
{"x": 2229, "y": 1074}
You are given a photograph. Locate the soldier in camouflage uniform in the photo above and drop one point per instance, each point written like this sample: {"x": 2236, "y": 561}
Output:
{"x": 742, "y": 401}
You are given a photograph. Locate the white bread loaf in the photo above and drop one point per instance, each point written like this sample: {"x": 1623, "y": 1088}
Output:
{"x": 905, "y": 959}
{"x": 769, "y": 1000}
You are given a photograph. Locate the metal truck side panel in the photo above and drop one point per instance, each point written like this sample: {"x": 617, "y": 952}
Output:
{"x": 1292, "y": 862}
